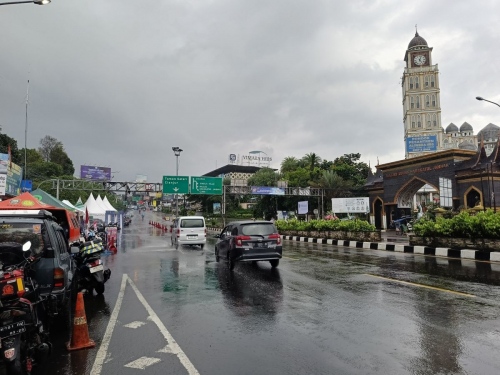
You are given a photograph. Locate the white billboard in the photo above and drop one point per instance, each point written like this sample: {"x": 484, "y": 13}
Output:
{"x": 351, "y": 205}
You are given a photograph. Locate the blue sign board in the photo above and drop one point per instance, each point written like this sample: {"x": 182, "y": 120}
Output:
{"x": 26, "y": 185}
{"x": 303, "y": 208}
{"x": 421, "y": 143}
{"x": 267, "y": 190}
{"x": 216, "y": 208}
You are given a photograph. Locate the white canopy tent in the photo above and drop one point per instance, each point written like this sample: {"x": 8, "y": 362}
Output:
{"x": 68, "y": 203}
{"x": 94, "y": 209}
{"x": 108, "y": 205}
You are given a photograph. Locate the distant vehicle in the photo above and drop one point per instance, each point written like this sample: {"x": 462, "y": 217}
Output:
{"x": 249, "y": 241}
{"x": 189, "y": 230}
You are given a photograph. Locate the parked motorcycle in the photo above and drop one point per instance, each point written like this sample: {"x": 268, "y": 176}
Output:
{"x": 87, "y": 256}
{"x": 24, "y": 339}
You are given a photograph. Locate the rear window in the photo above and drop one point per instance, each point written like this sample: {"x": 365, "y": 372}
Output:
{"x": 21, "y": 233}
{"x": 263, "y": 229}
{"x": 192, "y": 223}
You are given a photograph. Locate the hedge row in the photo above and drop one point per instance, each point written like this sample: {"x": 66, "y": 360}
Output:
{"x": 325, "y": 225}
{"x": 482, "y": 225}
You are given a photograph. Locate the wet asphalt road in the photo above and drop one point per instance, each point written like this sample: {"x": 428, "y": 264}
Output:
{"x": 323, "y": 311}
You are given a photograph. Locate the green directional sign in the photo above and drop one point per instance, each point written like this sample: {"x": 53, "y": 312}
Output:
{"x": 175, "y": 185}
{"x": 206, "y": 185}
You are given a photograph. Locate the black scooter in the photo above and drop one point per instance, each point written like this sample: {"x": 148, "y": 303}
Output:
{"x": 92, "y": 275}
{"x": 24, "y": 338}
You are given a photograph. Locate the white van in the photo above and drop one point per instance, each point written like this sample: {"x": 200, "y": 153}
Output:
{"x": 189, "y": 230}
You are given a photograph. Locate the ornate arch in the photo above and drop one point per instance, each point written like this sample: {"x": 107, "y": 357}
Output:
{"x": 404, "y": 196}
{"x": 478, "y": 191}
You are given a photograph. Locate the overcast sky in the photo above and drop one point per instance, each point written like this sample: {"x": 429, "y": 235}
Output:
{"x": 121, "y": 82}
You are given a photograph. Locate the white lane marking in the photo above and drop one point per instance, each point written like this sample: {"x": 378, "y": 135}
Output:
{"x": 166, "y": 349}
{"x": 103, "y": 349}
{"x": 143, "y": 362}
{"x": 176, "y": 349}
{"x": 135, "y": 325}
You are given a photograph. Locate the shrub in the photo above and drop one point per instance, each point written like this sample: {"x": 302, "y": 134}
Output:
{"x": 482, "y": 225}
{"x": 325, "y": 225}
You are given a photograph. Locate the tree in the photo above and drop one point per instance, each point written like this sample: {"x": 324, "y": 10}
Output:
{"x": 311, "y": 160}
{"x": 289, "y": 164}
{"x": 43, "y": 171}
{"x": 298, "y": 178}
{"x": 47, "y": 144}
{"x": 5, "y": 142}
{"x": 264, "y": 177}
{"x": 32, "y": 155}
{"x": 59, "y": 156}
{"x": 350, "y": 168}
{"x": 336, "y": 185}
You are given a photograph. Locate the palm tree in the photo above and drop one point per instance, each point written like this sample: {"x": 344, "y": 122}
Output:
{"x": 289, "y": 164}
{"x": 336, "y": 185}
{"x": 311, "y": 160}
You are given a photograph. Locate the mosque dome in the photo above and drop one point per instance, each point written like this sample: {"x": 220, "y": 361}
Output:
{"x": 451, "y": 128}
{"x": 466, "y": 127}
{"x": 467, "y": 146}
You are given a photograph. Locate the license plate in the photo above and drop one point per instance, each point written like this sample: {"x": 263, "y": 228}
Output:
{"x": 12, "y": 329}
{"x": 96, "y": 269}
{"x": 261, "y": 244}
{"x": 192, "y": 237}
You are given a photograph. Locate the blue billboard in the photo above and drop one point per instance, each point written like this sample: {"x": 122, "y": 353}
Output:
{"x": 88, "y": 172}
{"x": 421, "y": 143}
{"x": 267, "y": 190}
{"x": 26, "y": 185}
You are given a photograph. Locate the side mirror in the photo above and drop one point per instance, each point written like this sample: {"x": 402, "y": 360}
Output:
{"x": 75, "y": 250}
{"x": 27, "y": 246}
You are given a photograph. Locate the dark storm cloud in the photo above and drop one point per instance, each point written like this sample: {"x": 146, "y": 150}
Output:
{"x": 120, "y": 83}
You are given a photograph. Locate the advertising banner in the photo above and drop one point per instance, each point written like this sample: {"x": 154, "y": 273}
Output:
{"x": 4, "y": 164}
{"x": 421, "y": 143}
{"x": 14, "y": 178}
{"x": 89, "y": 172}
{"x": 351, "y": 205}
{"x": 216, "y": 208}
{"x": 267, "y": 190}
{"x": 303, "y": 208}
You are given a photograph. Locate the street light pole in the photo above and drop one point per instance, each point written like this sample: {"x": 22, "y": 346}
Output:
{"x": 37, "y": 2}
{"x": 489, "y": 101}
{"x": 177, "y": 152}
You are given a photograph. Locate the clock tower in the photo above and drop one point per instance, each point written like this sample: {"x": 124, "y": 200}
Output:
{"x": 423, "y": 132}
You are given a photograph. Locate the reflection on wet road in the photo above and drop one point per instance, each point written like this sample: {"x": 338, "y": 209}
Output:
{"x": 321, "y": 312}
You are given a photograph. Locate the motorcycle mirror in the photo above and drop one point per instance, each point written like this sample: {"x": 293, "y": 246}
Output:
{"x": 75, "y": 250}
{"x": 27, "y": 246}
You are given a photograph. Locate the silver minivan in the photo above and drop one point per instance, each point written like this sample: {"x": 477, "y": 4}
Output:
{"x": 189, "y": 230}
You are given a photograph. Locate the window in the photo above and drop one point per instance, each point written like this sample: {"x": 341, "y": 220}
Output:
{"x": 412, "y": 103}
{"x": 416, "y": 82}
{"x": 434, "y": 120}
{"x": 433, "y": 100}
{"x": 427, "y": 101}
{"x": 428, "y": 121}
{"x": 445, "y": 192}
{"x": 426, "y": 81}
{"x": 419, "y": 121}
{"x": 413, "y": 121}
{"x": 192, "y": 223}
{"x": 263, "y": 229}
{"x": 432, "y": 81}
{"x": 234, "y": 232}
{"x": 411, "y": 82}
{"x": 418, "y": 101}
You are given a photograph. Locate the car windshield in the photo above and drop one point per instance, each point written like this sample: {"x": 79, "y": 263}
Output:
{"x": 263, "y": 229}
{"x": 21, "y": 233}
{"x": 192, "y": 223}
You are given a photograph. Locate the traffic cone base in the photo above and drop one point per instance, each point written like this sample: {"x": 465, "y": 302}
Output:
{"x": 80, "y": 338}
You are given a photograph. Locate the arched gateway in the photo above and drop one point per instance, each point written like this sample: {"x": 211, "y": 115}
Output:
{"x": 460, "y": 178}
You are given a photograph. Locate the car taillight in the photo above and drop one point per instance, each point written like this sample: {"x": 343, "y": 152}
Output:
{"x": 240, "y": 239}
{"x": 277, "y": 237}
{"x": 58, "y": 277}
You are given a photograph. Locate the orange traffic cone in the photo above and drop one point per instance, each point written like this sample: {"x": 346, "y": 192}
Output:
{"x": 80, "y": 338}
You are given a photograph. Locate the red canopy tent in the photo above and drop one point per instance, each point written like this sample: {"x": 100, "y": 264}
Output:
{"x": 26, "y": 201}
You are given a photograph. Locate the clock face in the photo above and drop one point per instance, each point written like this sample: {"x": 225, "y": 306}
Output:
{"x": 419, "y": 60}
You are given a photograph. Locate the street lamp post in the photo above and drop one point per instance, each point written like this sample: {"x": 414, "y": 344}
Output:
{"x": 37, "y": 2}
{"x": 177, "y": 152}
{"x": 486, "y": 100}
